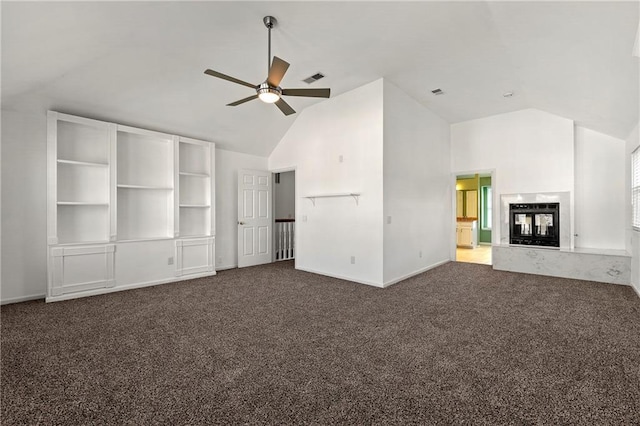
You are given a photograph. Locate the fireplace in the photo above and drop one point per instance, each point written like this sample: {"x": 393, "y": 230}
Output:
{"x": 534, "y": 224}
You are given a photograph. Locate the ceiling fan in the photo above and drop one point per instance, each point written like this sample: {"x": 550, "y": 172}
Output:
{"x": 270, "y": 91}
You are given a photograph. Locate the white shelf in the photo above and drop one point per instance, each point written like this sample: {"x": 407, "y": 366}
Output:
{"x": 144, "y": 213}
{"x": 355, "y": 196}
{"x": 204, "y": 175}
{"x": 194, "y": 188}
{"x": 80, "y": 203}
{"x": 136, "y": 240}
{"x": 194, "y": 221}
{"x": 143, "y": 187}
{"x": 78, "y": 243}
{"x": 80, "y": 222}
{"x": 82, "y": 141}
{"x": 81, "y": 163}
{"x": 194, "y": 158}
{"x": 82, "y": 184}
{"x": 144, "y": 160}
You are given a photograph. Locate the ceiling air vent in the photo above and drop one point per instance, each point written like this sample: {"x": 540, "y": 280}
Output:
{"x": 315, "y": 77}
{"x": 437, "y": 92}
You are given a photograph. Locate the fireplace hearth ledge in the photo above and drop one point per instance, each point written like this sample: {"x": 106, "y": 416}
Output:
{"x": 582, "y": 250}
{"x": 600, "y": 265}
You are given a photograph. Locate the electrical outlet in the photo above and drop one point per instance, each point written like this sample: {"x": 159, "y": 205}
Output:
{"x": 170, "y": 261}
{"x": 388, "y": 219}
{"x": 219, "y": 259}
{"x": 420, "y": 254}
{"x": 304, "y": 217}
{"x": 353, "y": 260}
{"x": 340, "y": 159}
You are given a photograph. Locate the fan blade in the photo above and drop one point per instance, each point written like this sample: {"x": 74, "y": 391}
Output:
{"x": 276, "y": 72}
{"x": 228, "y": 78}
{"x": 311, "y": 93}
{"x": 241, "y": 101}
{"x": 284, "y": 107}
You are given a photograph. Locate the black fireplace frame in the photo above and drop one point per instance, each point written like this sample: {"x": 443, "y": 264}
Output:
{"x": 552, "y": 237}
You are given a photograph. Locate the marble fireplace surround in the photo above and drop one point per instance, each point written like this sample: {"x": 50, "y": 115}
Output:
{"x": 609, "y": 266}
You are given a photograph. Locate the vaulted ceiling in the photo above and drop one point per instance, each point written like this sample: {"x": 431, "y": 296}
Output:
{"x": 142, "y": 63}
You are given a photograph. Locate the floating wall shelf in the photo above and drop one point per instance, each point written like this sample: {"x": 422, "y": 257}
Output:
{"x": 355, "y": 196}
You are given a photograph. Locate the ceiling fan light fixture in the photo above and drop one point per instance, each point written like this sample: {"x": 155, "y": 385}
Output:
{"x": 270, "y": 91}
{"x": 268, "y": 94}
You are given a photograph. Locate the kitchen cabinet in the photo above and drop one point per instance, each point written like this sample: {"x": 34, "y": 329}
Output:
{"x": 467, "y": 233}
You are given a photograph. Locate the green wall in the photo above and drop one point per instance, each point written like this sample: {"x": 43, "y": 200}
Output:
{"x": 484, "y": 234}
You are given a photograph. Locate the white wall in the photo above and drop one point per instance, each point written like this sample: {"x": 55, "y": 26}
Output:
{"x": 633, "y": 237}
{"x": 24, "y": 206}
{"x": 348, "y": 126}
{"x": 417, "y": 187}
{"x": 530, "y": 150}
{"x": 227, "y": 165}
{"x": 599, "y": 190}
{"x": 285, "y": 196}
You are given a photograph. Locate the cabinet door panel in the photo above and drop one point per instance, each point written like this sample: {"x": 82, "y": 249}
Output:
{"x": 472, "y": 203}
{"x": 81, "y": 268}
{"x": 195, "y": 256}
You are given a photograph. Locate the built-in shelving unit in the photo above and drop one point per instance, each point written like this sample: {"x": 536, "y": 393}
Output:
{"x": 195, "y": 192}
{"x": 126, "y": 206}
{"x": 80, "y": 171}
{"x": 145, "y": 184}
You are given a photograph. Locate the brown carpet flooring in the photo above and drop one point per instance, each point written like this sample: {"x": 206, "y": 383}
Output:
{"x": 460, "y": 344}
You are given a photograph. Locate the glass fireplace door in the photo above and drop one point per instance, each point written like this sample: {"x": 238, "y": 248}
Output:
{"x": 522, "y": 225}
{"x": 535, "y": 224}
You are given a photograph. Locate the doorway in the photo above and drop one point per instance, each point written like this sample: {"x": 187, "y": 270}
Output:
{"x": 284, "y": 202}
{"x": 474, "y": 217}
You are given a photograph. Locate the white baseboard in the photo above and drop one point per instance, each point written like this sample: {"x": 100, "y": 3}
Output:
{"x": 224, "y": 268}
{"x": 340, "y": 277}
{"x": 22, "y": 299}
{"x": 637, "y": 290}
{"x": 388, "y": 283}
{"x": 100, "y": 291}
{"x": 419, "y": 271}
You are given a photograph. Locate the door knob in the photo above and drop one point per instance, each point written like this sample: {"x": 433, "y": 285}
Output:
{"x": 240, "y": 223}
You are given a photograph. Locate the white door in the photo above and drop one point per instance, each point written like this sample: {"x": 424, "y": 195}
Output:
{"x": 254, "y": 217}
